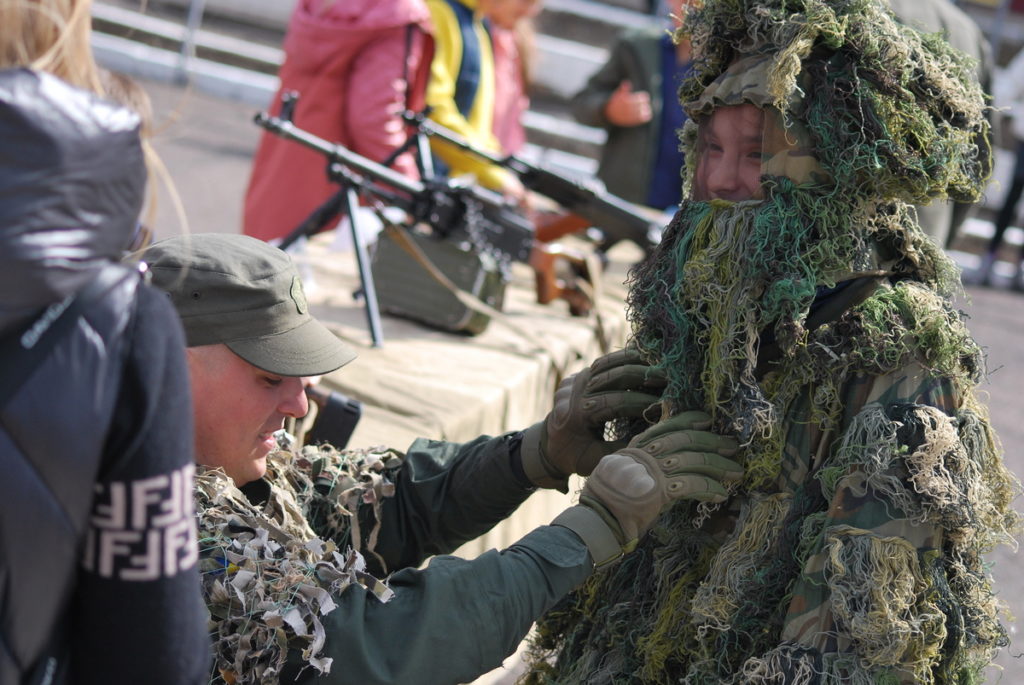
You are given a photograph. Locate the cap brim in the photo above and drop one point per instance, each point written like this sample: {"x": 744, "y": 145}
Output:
{"x": 307, "y": 350}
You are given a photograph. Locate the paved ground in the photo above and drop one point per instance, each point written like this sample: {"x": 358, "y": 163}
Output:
{"x": 207, "y": 143}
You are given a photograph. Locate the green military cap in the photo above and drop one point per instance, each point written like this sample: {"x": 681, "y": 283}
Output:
{"x": 246, "y": 294}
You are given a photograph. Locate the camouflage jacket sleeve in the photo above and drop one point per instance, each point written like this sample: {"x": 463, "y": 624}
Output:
{"x": 902, "y": 484}
{"x": 443, "y": 494}
{"x": 624, "y": 64}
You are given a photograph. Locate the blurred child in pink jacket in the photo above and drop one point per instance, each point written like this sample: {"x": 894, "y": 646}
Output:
{"x": 356, "y": 65}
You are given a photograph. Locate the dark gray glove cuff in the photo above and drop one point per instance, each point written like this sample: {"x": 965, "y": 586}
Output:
{"x": 535, "y": 465}
{"x": 604, "y": 547}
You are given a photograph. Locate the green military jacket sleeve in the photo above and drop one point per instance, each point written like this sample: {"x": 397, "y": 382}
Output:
{"x": 452, "y": 621}
{"x": 444, "y": 494}
{"x": 285, "y": 591}
{"x": 627, "y": 158}
{"x": 455, "y": 619}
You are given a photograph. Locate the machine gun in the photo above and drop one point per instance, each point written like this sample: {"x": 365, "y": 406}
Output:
{"x": 458, "y": 212}
{"x": 591, "y": 204}
{"x": 454, "y": 209}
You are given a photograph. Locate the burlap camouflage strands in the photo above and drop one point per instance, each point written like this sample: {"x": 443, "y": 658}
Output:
{"x": 853, "y": 549}
{"x": 270, "y": 571}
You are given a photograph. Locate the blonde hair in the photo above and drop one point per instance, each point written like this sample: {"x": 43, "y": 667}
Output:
{"x": 52, "y": 36}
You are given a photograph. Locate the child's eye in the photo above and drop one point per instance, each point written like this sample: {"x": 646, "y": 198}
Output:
{"x": 272, "y": 381}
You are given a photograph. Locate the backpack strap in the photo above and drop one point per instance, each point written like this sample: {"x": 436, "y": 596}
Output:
{"x": 25, "y": 349}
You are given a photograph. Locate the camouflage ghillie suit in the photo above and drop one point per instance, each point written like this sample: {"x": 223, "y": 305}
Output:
{"x": 271, "y": 570}
{"x": 816, "y": 325}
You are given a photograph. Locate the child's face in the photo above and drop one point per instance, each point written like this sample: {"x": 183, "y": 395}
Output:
{"x": 507, "y": 13}
{"x": 729, "y": 167}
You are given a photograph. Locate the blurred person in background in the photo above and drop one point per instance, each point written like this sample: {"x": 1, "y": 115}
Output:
{"x": 633, "y": 97}
{"x": 97, "y": 530}
{"x": 1009, "y": 94}
{"x": 462, "y": 85}
{"x": 512, "y": 36}
{"x": 356, "y": 65}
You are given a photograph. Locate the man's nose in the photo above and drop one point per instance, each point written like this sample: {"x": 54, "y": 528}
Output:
{"x": 293, "y": 402}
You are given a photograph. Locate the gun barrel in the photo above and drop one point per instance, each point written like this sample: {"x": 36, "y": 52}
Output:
{"x": 432, "y": 128}
{"x": 619, "y": 219}
{"x": 367, "y": 167}
{"x": 608, "y": 212}
{"x": 340, "y": 153}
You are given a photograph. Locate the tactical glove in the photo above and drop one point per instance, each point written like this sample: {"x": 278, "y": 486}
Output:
{"x": 675, "y": 459}
{"x": 571, "y": 438}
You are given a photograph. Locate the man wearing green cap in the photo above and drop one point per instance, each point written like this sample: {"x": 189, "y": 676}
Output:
{"x": 274, "y": 526}
{"x": 251, "y": 340}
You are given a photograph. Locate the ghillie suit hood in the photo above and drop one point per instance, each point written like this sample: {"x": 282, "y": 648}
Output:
{"x": 815, "y": 324}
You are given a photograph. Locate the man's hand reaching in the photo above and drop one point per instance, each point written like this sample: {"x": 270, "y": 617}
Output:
{"x": 678, "y": 458}
{"x": 571, "y": 438}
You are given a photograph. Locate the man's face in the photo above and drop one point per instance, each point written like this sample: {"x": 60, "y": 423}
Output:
{"x": 237, "y": 408}
{"x": 729, "y": 167}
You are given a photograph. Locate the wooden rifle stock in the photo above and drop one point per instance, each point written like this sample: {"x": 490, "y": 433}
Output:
{"x": 561, "y": 273}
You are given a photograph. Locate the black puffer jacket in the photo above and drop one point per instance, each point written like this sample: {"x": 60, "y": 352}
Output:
{"x": 91, "y": 455}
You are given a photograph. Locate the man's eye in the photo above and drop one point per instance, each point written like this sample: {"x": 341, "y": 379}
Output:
{"x": 271, "y": 381}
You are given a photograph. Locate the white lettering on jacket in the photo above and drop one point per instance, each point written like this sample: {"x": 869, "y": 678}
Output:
{"x": 145, "y": 529}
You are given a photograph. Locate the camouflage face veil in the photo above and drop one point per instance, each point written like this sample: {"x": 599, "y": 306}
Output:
{"x": 784, "y": 146}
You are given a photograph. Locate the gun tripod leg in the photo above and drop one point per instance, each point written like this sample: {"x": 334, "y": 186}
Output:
{"x": 365, "y": 273}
